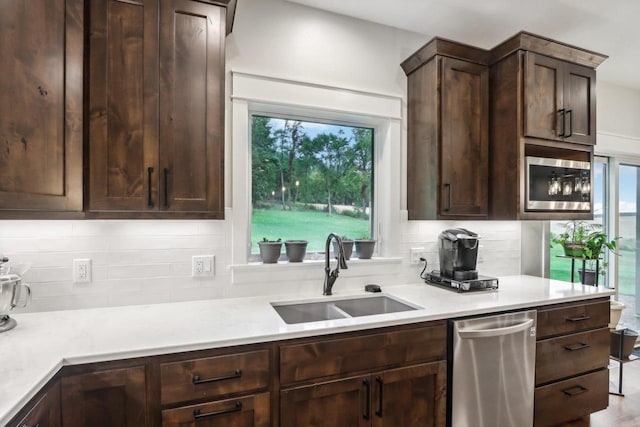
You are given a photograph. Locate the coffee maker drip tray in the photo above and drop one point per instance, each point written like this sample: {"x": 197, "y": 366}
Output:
{"x": 481, "y": 283}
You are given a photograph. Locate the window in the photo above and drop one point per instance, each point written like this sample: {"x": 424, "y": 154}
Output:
{"x": 310, "y": 179}
{"x": 560, "y": 268}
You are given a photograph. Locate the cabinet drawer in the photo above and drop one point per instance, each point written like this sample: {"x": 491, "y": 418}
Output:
{"x": 364, "y": 353}
{"x": 569, "y": 355}
{"x": 572, "y": 318}
{"x": 248, "y": 411}
{"x": 574, "y": 398}
{"x": 214, "y": 376}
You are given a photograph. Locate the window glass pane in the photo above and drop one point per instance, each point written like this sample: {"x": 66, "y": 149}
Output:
{"x": 310, "y": 179}
{"x": 629, "y": 259}
{"x": 560, "y": 268}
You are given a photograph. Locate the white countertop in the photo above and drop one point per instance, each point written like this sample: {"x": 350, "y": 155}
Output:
{"x": 32, "y": 353}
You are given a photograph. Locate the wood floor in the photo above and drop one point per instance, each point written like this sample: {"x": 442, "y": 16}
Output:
{"x": 622, "y": 411}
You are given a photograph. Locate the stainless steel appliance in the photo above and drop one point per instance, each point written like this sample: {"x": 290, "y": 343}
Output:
{"x": 12, "y": 294}
{"x": 458, "y": 252}
{"x": 493, "y": 370}
{"x": 557, "y": 185}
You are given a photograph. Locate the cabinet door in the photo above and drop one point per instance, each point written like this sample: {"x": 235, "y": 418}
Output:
{"x": 192, "y": 107}
{"x": 123, "y": 104}
{"x": 105, "y": 399}
{"x": 41, "y": 44}
{"x": 249, "y": 411}
{"x": 46, "y": 413}
{"x": 342, "y": 403}
{"x": 543, "y": 97}
{"x": 412, "y": 396}
{"x": 464, "y": 138}
{"x": 580, "y": 104}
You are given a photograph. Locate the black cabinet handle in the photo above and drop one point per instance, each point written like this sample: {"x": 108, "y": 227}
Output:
{"x": 198, "y": 380}
{"x": 166, "y": 187}
{"x": 577, "y": 318}
{"x": 198, "y": 415}
{"x": 448, "y": 187}
{"x": 27, "y": 425}
{"x": 367, "y": 412}
{"x": 149, "y": 199}
{"x": 570, "y": 114}
{"x": 576, "y": 347}
{"x": 380, "y": 387}
{"x": 574, "y": 391}
{"x": 562, "y": 111}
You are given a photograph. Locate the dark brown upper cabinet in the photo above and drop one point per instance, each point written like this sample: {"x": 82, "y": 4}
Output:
{"x": 41, "y": 46}
{"x": 559, "y": 100}
{"x": 447, "y": 151}
{"x": 156, "y": 109}
{"x": 542, "y": 104}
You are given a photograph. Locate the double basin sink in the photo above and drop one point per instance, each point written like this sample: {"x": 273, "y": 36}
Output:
{"x": 339, "y": 309}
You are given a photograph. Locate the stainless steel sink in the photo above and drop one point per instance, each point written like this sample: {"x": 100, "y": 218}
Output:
{"x": 370, "y": 306}
{"x": 339, "y": 309}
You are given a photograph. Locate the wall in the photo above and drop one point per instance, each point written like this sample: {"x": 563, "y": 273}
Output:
{"x": 150, "y": 261}
{"x": 618, "y": 110}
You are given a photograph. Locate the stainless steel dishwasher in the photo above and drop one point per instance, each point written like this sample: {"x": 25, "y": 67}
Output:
{"x": 493, "y": 373}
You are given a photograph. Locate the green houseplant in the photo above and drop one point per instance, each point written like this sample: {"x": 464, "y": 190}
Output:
{"x": 595, "y": 244}
{"x": 574, "y": 236}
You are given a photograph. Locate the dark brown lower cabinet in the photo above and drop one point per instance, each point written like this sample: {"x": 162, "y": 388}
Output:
{"x": 105, "y": 399}
{"x": 248, "y": 411}
{"x": 46, "y": 413}
{"x": 408, "y": 396}
{"x": 571, "y": 399}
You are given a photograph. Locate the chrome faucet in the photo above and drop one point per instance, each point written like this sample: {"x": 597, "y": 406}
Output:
{"x": 331, "y": 276}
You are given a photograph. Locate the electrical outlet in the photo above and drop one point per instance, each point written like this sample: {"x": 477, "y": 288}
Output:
{"x": 202, "y": 265}
{"x": 82, "y": 270}
{"x": 416, "y": 254}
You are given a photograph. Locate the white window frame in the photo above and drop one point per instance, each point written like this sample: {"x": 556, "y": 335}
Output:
{"x": 254, "y": 94}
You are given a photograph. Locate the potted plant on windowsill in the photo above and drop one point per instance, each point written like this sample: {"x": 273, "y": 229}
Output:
{"x": 295, "y": 249}
{"x": 365, "y": 247}
{"x": 347, "y": 246}
{"x": 270, "y": 250}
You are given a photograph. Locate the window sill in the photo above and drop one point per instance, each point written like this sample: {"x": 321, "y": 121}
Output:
{"x": 312, "y": 264}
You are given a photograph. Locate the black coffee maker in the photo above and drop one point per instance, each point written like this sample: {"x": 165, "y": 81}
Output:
{"x": 458, "y": 250}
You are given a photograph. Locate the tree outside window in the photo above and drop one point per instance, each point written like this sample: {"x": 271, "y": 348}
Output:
{"x": 310, "y": 179}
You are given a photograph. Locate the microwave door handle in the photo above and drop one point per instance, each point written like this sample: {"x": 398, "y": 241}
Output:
{"x": 495, "y": 332}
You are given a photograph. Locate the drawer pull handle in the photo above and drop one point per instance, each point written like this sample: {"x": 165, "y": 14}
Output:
{"x": 197, "y": 414}
{"x": 576, "y": 347}
{"x": 578, "y": 318}
{"x": 574, "y": 391}
{"x": 367, "y": 412}
{"x": 198, "y": 380}
{"x": 27, "y": 425}
{"x": 380, "y": 399}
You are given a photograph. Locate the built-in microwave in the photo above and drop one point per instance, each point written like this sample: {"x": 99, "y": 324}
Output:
{"x": 557, "y": 185}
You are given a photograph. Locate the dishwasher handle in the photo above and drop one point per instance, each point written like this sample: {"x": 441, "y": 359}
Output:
{"x": 495, "y": 332}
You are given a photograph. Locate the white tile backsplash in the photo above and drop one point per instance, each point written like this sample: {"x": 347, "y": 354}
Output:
{"x": 149, "y": 261}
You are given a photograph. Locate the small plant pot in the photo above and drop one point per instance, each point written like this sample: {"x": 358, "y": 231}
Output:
{"x": 615, "y": 313}
{"x": 587, "y": 277}
{"x": 296, "y": 249}
{"x": 270, "y": 251}
{"x": 347, "y": 246}
{"x": 628, "y": 342}
{"x": 364, "y": 248}
{"x": 573, "y": 249}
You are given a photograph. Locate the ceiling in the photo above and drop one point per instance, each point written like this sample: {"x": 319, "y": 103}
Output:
{"x": 605, "y": 26}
